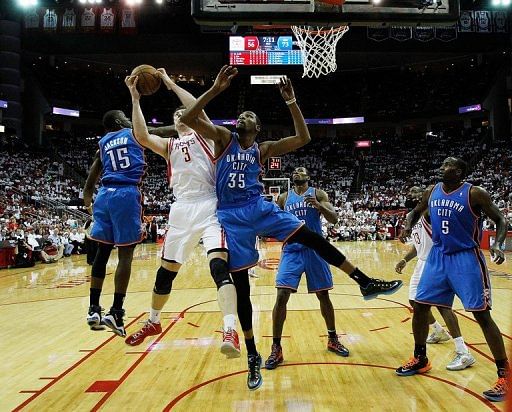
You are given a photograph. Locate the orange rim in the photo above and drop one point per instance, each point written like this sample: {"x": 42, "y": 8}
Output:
{"x": 315, "y": 32}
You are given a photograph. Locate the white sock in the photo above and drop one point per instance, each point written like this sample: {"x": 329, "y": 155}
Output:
{"x": 460, "y": 346}
{"x": 229, "y": 322}
{"x": 154, "y": 315}
{"x": 437, "y": 327}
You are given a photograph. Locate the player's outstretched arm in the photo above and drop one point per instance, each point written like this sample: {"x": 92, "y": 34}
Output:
{"x": 164, "y": 131}
{"x": 92, "y": 179}
{"x": 415, "y": 214}
{"x": 291, "y": 143}
{"x": 220, "y": 135}
{"x": 140, "y": 130}
{"x": 482, "y": 200}
{"x": 186, "y": 98}
{"x": 322, "y": 204}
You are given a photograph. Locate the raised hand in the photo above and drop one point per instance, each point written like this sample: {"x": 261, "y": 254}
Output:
{"x": 224, "y": 78}
{"x": 165, "y": 77}
{"x": 131, "y": 82}
{"x": 286, "y": 88}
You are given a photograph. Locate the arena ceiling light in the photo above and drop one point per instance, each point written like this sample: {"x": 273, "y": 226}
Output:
{"x": 27, "y": 3}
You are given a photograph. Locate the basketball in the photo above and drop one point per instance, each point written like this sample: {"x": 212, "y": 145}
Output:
{"x": 148, "y": 82}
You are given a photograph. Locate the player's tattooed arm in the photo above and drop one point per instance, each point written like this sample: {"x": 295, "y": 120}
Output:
{"x": 414, "y": 215}
{"x": 291, "y": 143}
{"x": 481, "y": 201}
{"x": 321, "y": 202}
{"x": 92, "y": 179}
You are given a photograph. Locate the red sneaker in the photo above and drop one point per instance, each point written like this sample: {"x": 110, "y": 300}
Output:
{"x": 499, "y": 391}
{"x": 230, "y": 344}
{"x": 149, "y": 329}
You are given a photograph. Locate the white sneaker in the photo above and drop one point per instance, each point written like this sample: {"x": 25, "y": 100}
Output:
{"x": 438, "y": 337}
{"x": 461, "y": 361}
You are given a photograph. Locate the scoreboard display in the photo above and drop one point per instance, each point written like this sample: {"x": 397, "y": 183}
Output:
{"x": 263, "y": 50}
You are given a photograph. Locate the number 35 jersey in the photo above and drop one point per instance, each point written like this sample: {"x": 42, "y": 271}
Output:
{"x": 122, "y": 158}
{"x": 238, "y": 175}
{"x": 190, "y": 167}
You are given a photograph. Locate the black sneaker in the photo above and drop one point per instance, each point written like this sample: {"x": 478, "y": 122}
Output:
{"x": 413, "y": 366}
{"x": 380, "y": 287}
{"x": 114, "y": 320}
{"x": 94, "y": 318}
{"x": 254, "y": 379}
{"x": 275, "y": 358}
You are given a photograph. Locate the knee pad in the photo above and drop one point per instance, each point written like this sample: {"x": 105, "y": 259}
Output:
{"x": 220, "y": 272}
{"x": 163, "y": 282}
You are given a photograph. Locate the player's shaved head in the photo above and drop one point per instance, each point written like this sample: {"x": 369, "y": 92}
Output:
{"x": 115, "y": 120}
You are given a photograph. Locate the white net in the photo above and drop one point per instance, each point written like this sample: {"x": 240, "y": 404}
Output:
{"x": 275, "y": 186}
{"x": 318, "y": 46}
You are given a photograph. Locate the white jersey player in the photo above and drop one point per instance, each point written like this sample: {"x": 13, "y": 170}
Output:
{"x": 191, "y": 174}
{"x": 421, "y": 239}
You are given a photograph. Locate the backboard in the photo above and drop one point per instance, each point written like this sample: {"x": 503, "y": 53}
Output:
{"x": 315, "y": 13}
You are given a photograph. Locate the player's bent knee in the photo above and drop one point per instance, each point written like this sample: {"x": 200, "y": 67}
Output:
{"x": 220, "y": 272}
{"x": 163, "y": 282}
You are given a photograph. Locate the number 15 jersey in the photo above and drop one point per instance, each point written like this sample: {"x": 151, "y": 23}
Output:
{"x": 190, "y": 167}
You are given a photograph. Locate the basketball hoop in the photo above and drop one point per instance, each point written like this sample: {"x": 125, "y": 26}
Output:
{"x": 318, "y": 47}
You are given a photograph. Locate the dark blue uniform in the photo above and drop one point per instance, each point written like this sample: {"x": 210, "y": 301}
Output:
{"x": 242, "y": 211}
{"x": 297, "y": 259}
{"x": 118, "y": 205}
{"x": 455, "y": 265}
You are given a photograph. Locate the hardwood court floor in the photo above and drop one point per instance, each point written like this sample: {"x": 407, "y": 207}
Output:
{"x": 52, "y": 361}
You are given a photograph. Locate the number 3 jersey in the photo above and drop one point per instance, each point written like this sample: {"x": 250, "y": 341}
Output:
{"x": 422, "y": 238}
{"x": 122, "y": 158}
{"x": 238, "y": 175}
{"x": 455, "y": 226}
{"x": 190, "y": 167}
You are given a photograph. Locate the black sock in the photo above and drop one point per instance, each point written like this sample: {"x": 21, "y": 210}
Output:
{"x": 332, "y": 334}
{"x": 276, "y": 341}
{"x": 94, "y": 298}
{"x": 502, "y": 366}
{"x": 360, "y": 278}
{"x": 251, "y": 346}
{"x": 118, "y": 301}
{"x": 420, "y": 351}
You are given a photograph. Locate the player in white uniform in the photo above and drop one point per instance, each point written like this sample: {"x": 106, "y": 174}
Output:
{"x": 192, "y": 217}
{"x": 421, "y": 236}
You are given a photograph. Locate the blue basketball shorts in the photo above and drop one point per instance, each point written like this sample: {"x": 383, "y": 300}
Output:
{"x": 243, "y": 224}
{"x": 294, "y": 263}
{"x": 462, "y": 273}
{"x": 117, "y": 216}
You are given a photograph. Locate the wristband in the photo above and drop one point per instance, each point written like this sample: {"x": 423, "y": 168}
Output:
{"x": 405, "y": 261}
{"x": 291, "y": 101}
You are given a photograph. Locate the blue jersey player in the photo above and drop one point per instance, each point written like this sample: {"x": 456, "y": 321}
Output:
{"x": 456, "y": 266}
{"x": 308, "y": 204}
{"x": 117, "y": 213}
{"x": 244, "y": 213}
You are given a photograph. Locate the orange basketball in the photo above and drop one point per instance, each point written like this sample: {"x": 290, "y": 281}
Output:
{"x": 149, "y": 81}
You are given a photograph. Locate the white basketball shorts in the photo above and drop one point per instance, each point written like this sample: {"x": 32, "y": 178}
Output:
{"x": 189, "y": 222}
